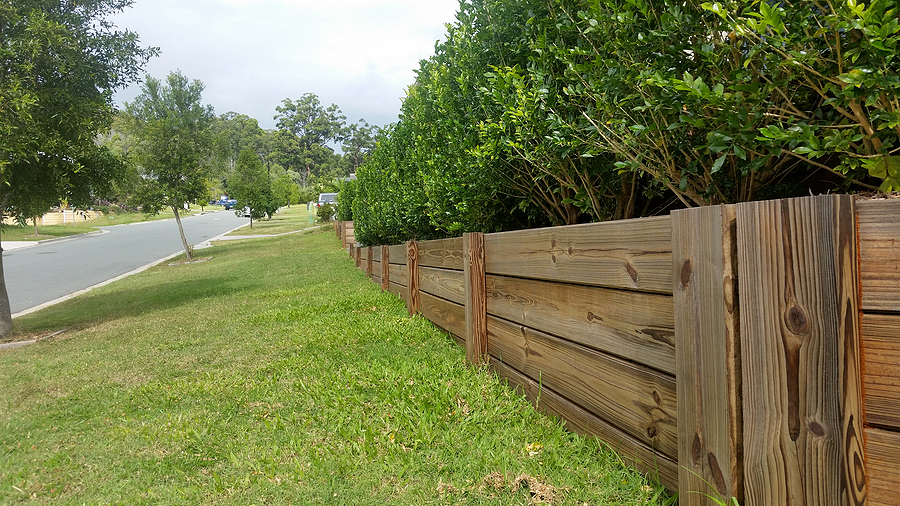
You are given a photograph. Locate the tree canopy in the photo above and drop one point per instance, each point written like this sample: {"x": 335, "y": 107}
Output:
{"x": 172, "y": 128}
{"x": 59, "y": 65}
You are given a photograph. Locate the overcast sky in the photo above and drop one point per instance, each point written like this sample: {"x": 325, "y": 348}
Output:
{"x": 252, "y": 54}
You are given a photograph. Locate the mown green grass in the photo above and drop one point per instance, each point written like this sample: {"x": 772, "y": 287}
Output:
{"x": 26, "y": 233}
{"x": 274, "y": 373}
{"x": 287, "y": 219}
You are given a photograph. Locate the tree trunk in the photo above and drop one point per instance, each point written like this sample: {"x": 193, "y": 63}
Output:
{"x": 6, "y": 325}
{"x": 34, "y": 220}
{"x": 187, "y": 249}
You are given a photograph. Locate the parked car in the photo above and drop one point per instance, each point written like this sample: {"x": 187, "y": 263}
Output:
{"x": 229, "y": 204}
{"x": 326, "y": 198}
{"x": 247, "y": 212}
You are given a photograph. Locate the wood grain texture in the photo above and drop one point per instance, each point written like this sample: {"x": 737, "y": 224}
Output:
{"x": 630, "y": 254}
{"x": 444, "y": 253}
{"x": 578, "y": 420}
{"x": 879, "y": 253}
{"x": 445, "y": 314}
{"x": 473, "y": 275}
{"x": 412, "y": 268}
{"x": 638, "y": 400}
{"x": 883, "y": 467}
{"x": 376, "y": 270}
{"x": 399, "y": 273}
{"x": 385, "y": 268}
{"x": 881, "y": 375}
{"x": 369, "y": 262}
{"x": 707, "y": 351}
{"x": 800, "y": 352}
{"x": 399, "y": 290}
{"x": 376, "y": 253}
{"x": 398, "y": 254}
{"x": 637, "y": 326}
{"x": 377, "y": 280}
{"x": 443, "y": 283}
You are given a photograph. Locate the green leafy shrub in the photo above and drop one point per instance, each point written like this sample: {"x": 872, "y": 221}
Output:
{"x": 325, "y": 212}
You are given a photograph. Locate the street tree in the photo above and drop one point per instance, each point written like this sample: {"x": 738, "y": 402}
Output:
{"x": 59, "y": 66}
{"x": 251, "y": 186}
{"x": 172, "y": 129}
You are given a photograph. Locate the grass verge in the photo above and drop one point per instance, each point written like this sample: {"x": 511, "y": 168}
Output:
{"x": 275, "y": 373}
{"x": 288, "y": 219}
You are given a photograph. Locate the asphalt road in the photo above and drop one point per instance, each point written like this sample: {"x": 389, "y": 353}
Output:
{"x": 46, "y": 272}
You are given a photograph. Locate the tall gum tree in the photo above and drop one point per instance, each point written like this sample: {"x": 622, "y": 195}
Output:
{"x": 60, "y": 62}
{"x": 174, "y": 140}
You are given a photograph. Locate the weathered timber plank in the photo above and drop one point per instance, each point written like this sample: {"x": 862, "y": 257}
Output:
{"x": 445, "y": 253}
{"x": 638, "y": 326}
{"x": 583, "y": 422}
{"x": 363, "y": 254}
{"x": 630, "y": 254}
{"x": 376, "y": 254}
{"x": 376, "y": 269}
{"x": 881, "y": 376}
{"x": 473, "y": 274}
{"x": 398, "y": 272}
{"x": 376, "y": 279}
{"x": 443, "y": 313}
{"x": 385, "y": 268}
{"x": 882, "y": 466}
{"x": 707, "y": 351}
{"x": 638, "y": 400}
{"x": 369, "y": 257}
{"x": 398, "y": 290}
{"x": 800, "y": 352}
{"x": 879, "y": 253}
{"x": 443, "y": 283}
{"x": 412, "y": 268}
{"x": 398, "y": 254}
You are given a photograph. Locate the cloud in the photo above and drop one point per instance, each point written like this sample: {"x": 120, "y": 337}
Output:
{"x": 251, "y": 54}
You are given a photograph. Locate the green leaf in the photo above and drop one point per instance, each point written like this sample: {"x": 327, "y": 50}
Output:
{"x": 717, "y": 166}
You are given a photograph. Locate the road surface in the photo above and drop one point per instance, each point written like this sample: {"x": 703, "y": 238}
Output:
{"x": 48, "y": 271}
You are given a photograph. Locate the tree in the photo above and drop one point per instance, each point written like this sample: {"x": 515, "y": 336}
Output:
{"x": 305, "y": 127}
{"x": 359, "y": 141}
{"x": 58, "y": 68}
{"x": 251, "y": 186}
{"x": 172, "y": 128}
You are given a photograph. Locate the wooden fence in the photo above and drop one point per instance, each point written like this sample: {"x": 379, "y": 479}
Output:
{"x": 748, "y": 351}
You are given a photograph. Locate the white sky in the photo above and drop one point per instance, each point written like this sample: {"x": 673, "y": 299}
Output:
{"x": 252, "y": 54}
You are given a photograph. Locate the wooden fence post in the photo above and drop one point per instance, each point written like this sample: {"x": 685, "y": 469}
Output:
{"x": 476, "y": 316}
{"x": 707, "y": 355}
{"x": 385, "y": 268}
{"x": 800, "y": 352}
{"x": 412, "y": 267}
{"x": 356, "y": 255}
{"x": 369, "y": 262}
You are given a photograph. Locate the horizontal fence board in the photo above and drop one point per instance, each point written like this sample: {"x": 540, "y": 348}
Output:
{"x": 376, "y": 279}
{"x": 882, "y": 466}
{"x": 638, "y": 400}
{"x": 398, "y": 290}
{"x": 443, "y": 313}
{"x": 881, "y": 376}
{"x": 398, "y": 254}
{"x": 633, "y": 325}
{"x": 445, "y": 253}
{"x": 583, "y": 422}
{"x": 630, "y": 254}
{"x": 376, "y": 268}
{"x": 879, "y": 253}
{"x": 376, "y": 255}
{"x": 443, "y": 283}
{"x": 399, "y": 273}
{"x": 363, "y": 255}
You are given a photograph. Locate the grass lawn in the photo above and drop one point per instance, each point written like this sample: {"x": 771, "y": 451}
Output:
{"x": 274, "y": 373}
{"x": 26, "y": 233}
{"x": 288, "y": 219}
